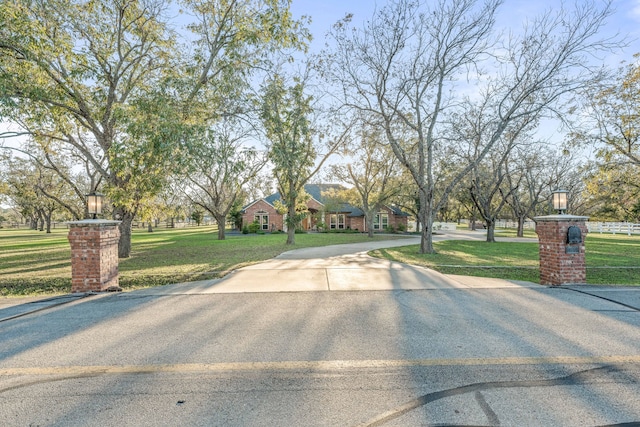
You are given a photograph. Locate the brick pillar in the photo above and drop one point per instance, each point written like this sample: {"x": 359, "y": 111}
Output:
{"x": 94, "y": 255}
{"x": 561, "y": 261}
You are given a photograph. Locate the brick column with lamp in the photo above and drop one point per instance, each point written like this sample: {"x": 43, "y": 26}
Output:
{"x": 561, "y": 245}
{"x": 94, "y": 255}
{"x": 94, "y": 250}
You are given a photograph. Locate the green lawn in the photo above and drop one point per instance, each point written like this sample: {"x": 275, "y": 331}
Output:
{"x": 33, "y": 262}
{"x": 611, "y": 259}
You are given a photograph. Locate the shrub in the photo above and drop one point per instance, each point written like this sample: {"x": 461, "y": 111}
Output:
{"x": 401, "y": 228}
{"x": 245, "y": 230}
{"x": 254, "y": 227}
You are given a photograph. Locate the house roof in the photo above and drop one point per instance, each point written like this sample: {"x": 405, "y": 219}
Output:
{"x": 316, "y": 190}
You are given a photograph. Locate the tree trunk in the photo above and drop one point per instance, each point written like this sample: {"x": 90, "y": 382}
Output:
{"x": 426, "y": 215}
{"x": 368, "y": 219}
{"x": 491, "y": 228}
{"x": 48, "y": 223}
{"x": 291, "y": 222}
{"x": 124, "y": 245}
{"x": 426, "y": 237}
{"x": 150, "y": 228}
{"x": 521, "y": 226}
{"x": 221, "y": 221}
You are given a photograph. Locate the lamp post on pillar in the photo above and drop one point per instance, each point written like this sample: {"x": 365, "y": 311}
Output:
{"x": 561, "y": 244}
{"x": 94, "y": 204}
{"x": 94, "y": 250}
{"x": 560, "y": 201}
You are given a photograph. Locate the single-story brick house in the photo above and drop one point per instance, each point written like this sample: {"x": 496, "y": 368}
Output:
{"x": 344, "y": 217}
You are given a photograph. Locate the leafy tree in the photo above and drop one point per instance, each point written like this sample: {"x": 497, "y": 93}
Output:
{"x": 36, "y": 190}
{"x": 611, "y": 118}
{"x": 406, "y": 197}
{"x": 301, "y": 209}
{"x": 614, "y": 192}
{"x": 197, "y": 215}
{"x": 235, "y": 214}
{"x": 79, "y": 73}
{"x": 610, "y": 125}
{"x": 294, "y": 143}
{"x": 109, "y": 78}
{"x": 74, "y": 173}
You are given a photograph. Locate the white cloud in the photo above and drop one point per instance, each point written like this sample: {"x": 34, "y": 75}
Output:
{"x": 634, "y": 10}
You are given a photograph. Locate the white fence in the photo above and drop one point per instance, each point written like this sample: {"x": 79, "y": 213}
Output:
{"x": 613, "y": 227}
{"x": 446, "y": 226}
{"x": 503, "y": 223}
{"x": 594, "y": 227}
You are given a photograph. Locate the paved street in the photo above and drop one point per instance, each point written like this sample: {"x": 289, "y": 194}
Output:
{"x": 327, "y": 337}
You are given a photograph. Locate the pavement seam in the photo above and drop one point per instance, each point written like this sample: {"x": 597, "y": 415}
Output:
{"x": 318, "y": 365}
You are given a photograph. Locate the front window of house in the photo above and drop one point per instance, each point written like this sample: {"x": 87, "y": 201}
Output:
{"x": 262, "y": 218}
{"x": 381, "y": 221}
{"x": 337, "y": 221}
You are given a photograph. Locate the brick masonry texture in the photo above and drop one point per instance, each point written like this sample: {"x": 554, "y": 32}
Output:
{"x": 276, "y": 220}
{"x": 94, "y": 256}
{"x": 556, "y": 266}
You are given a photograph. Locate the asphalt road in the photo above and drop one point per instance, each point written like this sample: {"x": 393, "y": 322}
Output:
{"x": 446, "y": 353}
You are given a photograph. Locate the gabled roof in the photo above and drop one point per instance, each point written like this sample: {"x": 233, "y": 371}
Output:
{"x": 316, "y": 190}
{"x": 247, "y": 206}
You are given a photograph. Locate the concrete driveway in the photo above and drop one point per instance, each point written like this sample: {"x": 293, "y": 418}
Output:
{"x": 338, "y": 268}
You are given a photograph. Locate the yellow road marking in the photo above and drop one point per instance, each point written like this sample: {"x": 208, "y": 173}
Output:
{"x": 313, "y": 365}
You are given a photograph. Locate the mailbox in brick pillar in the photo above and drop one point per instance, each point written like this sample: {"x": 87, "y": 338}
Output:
{"x": 94, "y": 255}
{"x": 561, "y": 240}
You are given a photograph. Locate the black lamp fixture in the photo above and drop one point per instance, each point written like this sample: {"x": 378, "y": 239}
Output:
{"x": 94, "y": 203}
{"x": 560, "y": 200}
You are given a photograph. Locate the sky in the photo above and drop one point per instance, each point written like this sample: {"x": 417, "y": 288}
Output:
{"x": 324, "y": 13}
{"x": 625, "y": 21}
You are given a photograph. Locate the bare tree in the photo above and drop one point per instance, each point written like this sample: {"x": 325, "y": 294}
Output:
{"x": 529, "y": 178}
{"x": 373, "y": 171}
{"x": 488, "y": 176}
{"x": 222, "y": 165}
{"x": 403, "y": 64}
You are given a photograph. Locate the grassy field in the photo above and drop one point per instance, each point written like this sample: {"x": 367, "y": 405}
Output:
{"x": 33, "y": 262}
{"x": 611, "y": 259}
